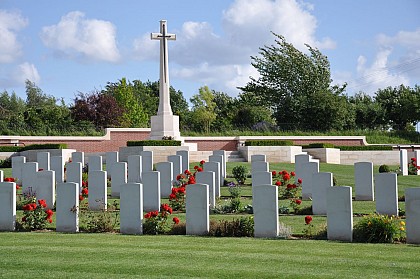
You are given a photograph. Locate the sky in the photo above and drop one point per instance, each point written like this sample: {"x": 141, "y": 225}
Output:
{"x": 67, "y": 47}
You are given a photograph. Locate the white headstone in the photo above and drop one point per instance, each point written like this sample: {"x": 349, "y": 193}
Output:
{"x": 308, "y": 169}
{"x": 214, "y": 167}
{"x": 1, "y": 176}
{"x": 97, "y": 190}
{"x": 45, "y": 187}
{"x": 265, "y": 206}
{"x": 321, "y": 182}
{"x": 43, "y": 159}
{"x": 261, "y": 178}
{"x": 118, "y": 177}
{"x": 404, "y": 161}
{"x": 300, "y": 159}
{"x": 7, "y": 206}
{"x": 17, "y": 165}
{"x": 197, "y": 209}
{"x": 363, "y": 181}
{"x": 146, "y": 160}
{"x": 78, "y": 157}
{"x": 339, "y": 214}
{"x": 412, "y": 215}
{"x": 259, "y": 166}
{"x": 57, "y": 165}
{"x": 166, "y": 176}
{"x": 134, "y": 169}
{"x": 218, "y": 159}
{"x": 67, "y": 209}
{"x": 29, "y": 171}
{"x": 131, "y": 208}
{"x": 176, "y": 165}
{"x": 386, "y": 193}
{"x": 151, "y": 191}
{"x": 185, "y": 155}
{"x": 258, "y": 158}
{"x": 207, "y": 177}
{"x": 74, "y": 173}
{"x": 95, "y": 163}
{"x": 223, "y": 154}
{"x": 111, "y": 158}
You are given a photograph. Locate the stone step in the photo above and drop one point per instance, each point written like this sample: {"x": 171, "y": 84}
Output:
{"x": 234, "y": 156}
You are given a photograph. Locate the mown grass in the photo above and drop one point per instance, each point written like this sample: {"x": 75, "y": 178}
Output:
{"x": 56, "y": 255}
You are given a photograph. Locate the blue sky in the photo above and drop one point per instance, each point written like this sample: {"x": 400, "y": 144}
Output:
{"x": 67, "y": 47}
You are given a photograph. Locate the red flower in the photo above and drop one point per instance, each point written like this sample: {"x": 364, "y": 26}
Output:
{"x": 289, "y": 186}
{"x": 154, "y": 213}
{"x": 191, "y": 180}
{"x": 286, "y": 177}
{"x": 298, "y": 202}
{"x": 200, "y": 169}
{"x": 17, "y": 187}
{"x": 42, "y": 203}
{"x": 202, "y": 162}
{"x": 284, "y": 172}
{"x": 34, "y": 206}
{"x": 172, "y": 196}
{"x": 292, "y": 173}
{"x": 49, "y": 220}
{"x": 148, "y": 215}
{"x": 49, "y": 213}
{"x": 81, "y": 198}
{"x": 181, "y": 190}
{"x": 187, "y": 172}
{"x": 413, "y": 159}
{"x": 300, "y": 180}
{"x": 195, "y": 167}
{"x": 308, "y": 220}
{"x": 24, "y": 219}
{"x": 273, "y": 173}
{"x": 278, "y": 183}
{"x": 176, "y": 220}
{"x": 84, "y": 184}
{"x": 85, "y": 191}
{"x": 9, "y": 179}
{"x": 178, "y": 177}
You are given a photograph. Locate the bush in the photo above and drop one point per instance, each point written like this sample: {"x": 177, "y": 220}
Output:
{"x": 268, "y": 143}
{"x": 100, "y": 221}
{"x": 240, "y": 174}
{"x": 10, "y": 148}
{"x": 243, "y": 226}
{"x": 384, "y": 168}
{"x": 6, "y": 163}
{"x": 319, "y": 145}
{"x": 365, "y": 148}
{"x": 154, "y": 143}
{"x": 44, "y": 146}
{"x": 376, "y": 228}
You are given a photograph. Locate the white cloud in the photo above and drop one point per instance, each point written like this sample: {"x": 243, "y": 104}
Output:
{"x": 26, "y": 71}
{"x": 10, "y": 24}
{"x": 78, "y": 37}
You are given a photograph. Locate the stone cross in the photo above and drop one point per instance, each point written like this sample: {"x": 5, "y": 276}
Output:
{"x": 164, "y": 100}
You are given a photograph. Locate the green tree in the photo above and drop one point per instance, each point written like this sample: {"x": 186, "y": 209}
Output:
{"x": 203, "y": 110}
{"x": 368, "y": 113}
{"x": 12, "y": 108}
{"x": 226, "y": 108}
{"x": 296, "y": 87}
{"x": 401, "y": 105}
{"x": 134, "y": 115}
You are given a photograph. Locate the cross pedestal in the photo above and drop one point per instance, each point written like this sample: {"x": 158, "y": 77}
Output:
{"x": 164, "y": 124}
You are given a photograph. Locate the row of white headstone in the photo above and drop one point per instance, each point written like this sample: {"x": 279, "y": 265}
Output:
{"x": 141, "y": 189}
{"x": 335, "y": 202}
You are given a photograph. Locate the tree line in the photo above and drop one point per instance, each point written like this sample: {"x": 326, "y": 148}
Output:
{"x": 294, "y": 91}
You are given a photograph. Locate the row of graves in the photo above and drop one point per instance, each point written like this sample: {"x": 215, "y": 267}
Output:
{"x": 140, "y": 185}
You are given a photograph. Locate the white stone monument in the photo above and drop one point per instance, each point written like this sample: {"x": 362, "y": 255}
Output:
{"x": 208, "y": 177}
{"x": 131, "y": 208}
{"x": 151, "y": 191}
{"x": 412, "y": 212}
{"x": 321, "y": 182}
{"x": 386, "y": 193}
{"x": 339, "y": 214}
{"x": 164, "y": 123}
{"x": 44, "y": 160}
{"x": 67, "y": 209}
{"x": 7, "y": 206}
{"x": 265, "y": 204}
{"x": 404, "y": 161}
{"x": 197, "y": 209}
{"x": 363, "y": 181}
{"x": 166, "y": 174}
{"x": 97, "y": 190}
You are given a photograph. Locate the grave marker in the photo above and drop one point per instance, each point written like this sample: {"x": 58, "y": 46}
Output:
{"x": 118, "y": 177}
{"x": 95, "y": 163}
{"x": 134, "y": 169}
{"x": 386, "y": 193}
{"x": 308, "y": 169}
{"x": 412, "y": 215}
{"x": 131, "y": 208}
{"x": 151, "y": 191}
{"x": 208, "y": 178}
{"x": 265, "y": 206}
{"x": 166, "y": 176}
{"x": 67, "y": 209}
{"x": 363, "y": 181}
{"x": 176, "y": 165}
{"x": 97, "y": 190}
{"x": 185, "y": 155}
{"x": 321, "y": 182}
{"x": 197, "y": 209}
{"x": 43, "y": 159}
{"x": 7, "y": 206}
{"x": 339, "y": 214}
{"x": 214, "y": 167}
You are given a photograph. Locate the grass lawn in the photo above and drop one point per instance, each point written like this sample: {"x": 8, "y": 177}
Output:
{"x": 56, "y": 255}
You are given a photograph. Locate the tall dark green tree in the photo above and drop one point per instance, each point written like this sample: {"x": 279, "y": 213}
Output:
{"x": 368, "y": 113}
{"x": 297, "y": 87}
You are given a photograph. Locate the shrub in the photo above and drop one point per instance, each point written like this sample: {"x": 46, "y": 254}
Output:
{"x": 154, "y": 143}
{"x": 320, "y": 145}
{"x": 365, "y": 148}
{"x": 376, "y": 228}
{"x": 268, "y": 143}
{"x": 10, "y": 148}
{"x": 44, "y": 146}
{"x": 157, "y": 222}
{"x": 6, "y": 163}
{"x": 384, "y": 168}
{"x": 100, "y": 221}
{"x": 243, "y": 226}
{"x": 240, "y": 174}
{"x": 412, "y": 167}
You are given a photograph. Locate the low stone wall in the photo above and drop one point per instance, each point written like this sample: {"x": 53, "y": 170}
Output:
{"x": 278, "y": 154}
{"x": 325, "y": 155}
{"x": 376, "y": 157}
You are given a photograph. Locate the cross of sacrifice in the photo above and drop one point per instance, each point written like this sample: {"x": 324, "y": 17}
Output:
{"x": 163, "y": 36}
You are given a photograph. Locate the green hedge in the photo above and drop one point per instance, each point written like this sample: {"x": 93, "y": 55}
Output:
{"x": 319, "y": 145}
{"x": 365, "y": 148}
{"x": 44, "y": 146}
{"x": 268, "y": 143}
{"x": 154, "y": 143}
{"x": 10, "y": 148}
{"x": 33, "y": 147}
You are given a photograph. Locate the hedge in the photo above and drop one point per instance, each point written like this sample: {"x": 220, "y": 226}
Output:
{"x": 154, "y": 143}
{"x": 319, "y": 145}
{"x": 33, "y": 147}
{"x": 365, "y": 148}
{"x": 268, "y": 143}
